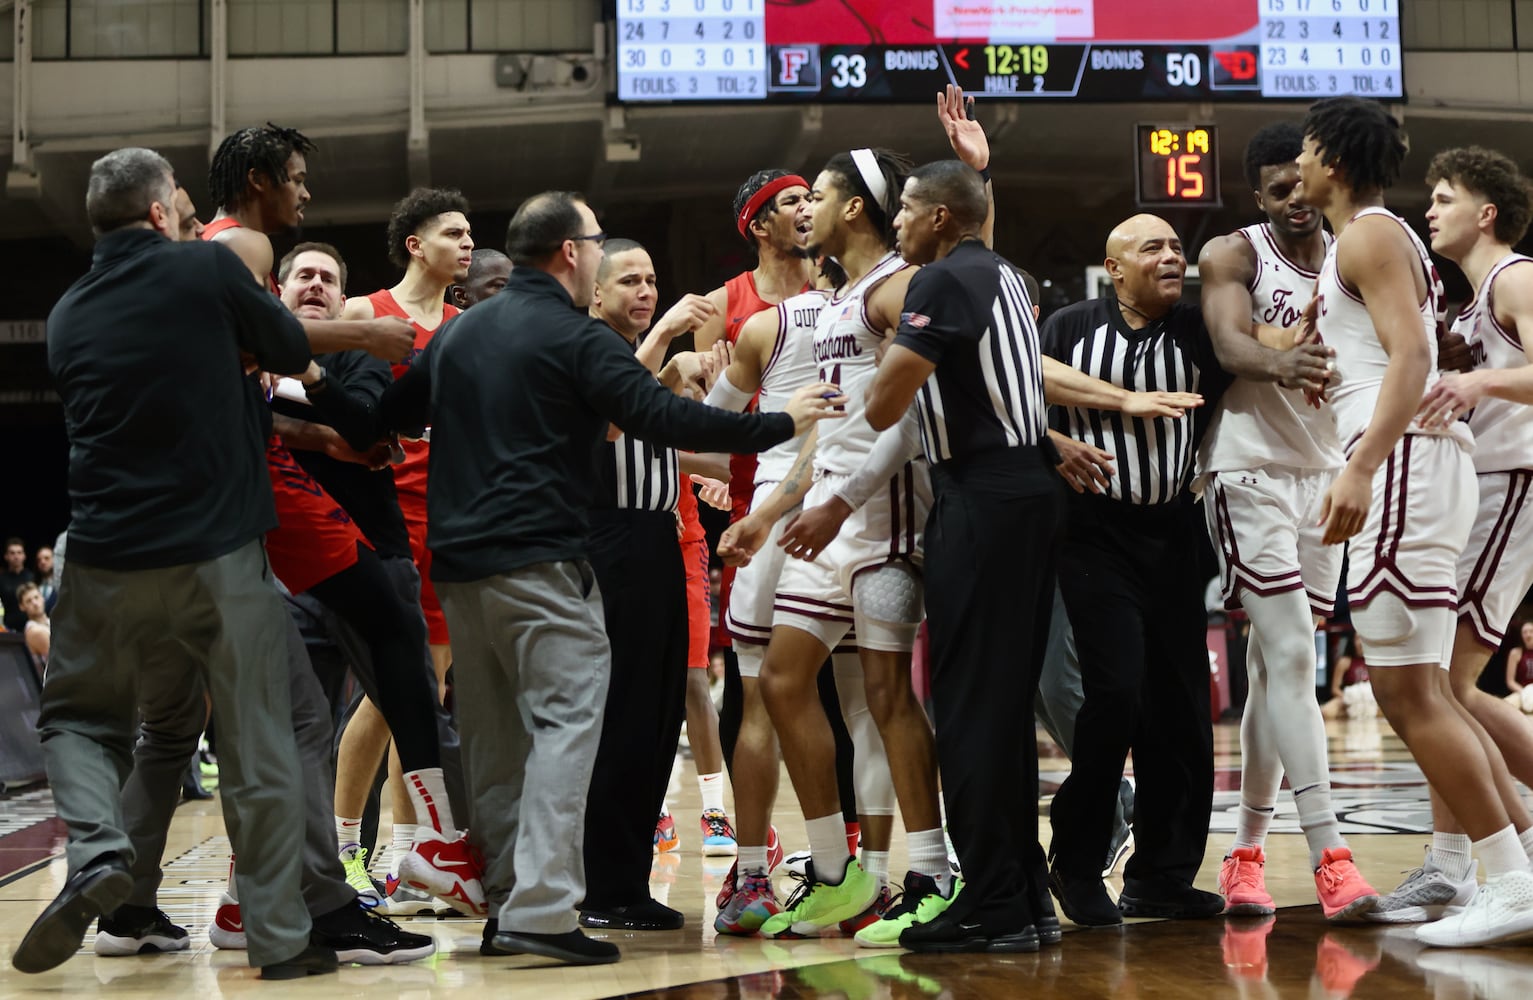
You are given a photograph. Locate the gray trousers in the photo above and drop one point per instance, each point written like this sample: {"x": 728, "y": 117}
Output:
{"x": 172, "y": 722}
{"x": 532, "y": 665}
{"x": 219, "y": 624}
{"x": 1059, "y": 701}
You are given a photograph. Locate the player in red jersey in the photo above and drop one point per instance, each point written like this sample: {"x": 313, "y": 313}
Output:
{"x": 258, "y": 178}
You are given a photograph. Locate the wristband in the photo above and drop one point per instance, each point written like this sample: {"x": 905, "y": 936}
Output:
{"x": 725, "y": 396}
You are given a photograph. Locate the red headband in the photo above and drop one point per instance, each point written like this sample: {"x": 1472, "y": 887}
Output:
{"x": 767, "y": 193}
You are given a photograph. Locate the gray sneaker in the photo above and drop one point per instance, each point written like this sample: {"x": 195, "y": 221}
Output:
{"x": 1428, "y": 893}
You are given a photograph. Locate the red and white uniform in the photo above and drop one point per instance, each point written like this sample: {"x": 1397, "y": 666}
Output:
{"x": 819, "y": 597}
{"x": 1268, "y": 458}
{"x": 1496, "y": 567}
{"x": 694, "y": 557}
{"x": 1402, "y": 567}
{"x": 314, "y": 538}
{"x": 410, "y": 475}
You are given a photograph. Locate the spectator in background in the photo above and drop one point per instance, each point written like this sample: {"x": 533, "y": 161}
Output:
{"x": 16, "y": 574}
{"x": 47, "y": 581}
{"x": 37, "y": 630}
{"x": 1519, "y": 671}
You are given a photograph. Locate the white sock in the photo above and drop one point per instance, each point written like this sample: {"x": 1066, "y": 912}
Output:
{"x": 348, "y": 832}
{"x": 1525, "y": 838}
{"x": 827, "y": 846}
{"x": 876, "y": 864}
{"x": 399, "y": 846}
{"x": 433, "y": 813}
{"x": 750, "y": 861}
{"x": 1501, "y": 852}
{"x": 1317, "y": 818}
{"x": 928, "y": 856}
{"x": 1255, "y": 821}
{"x": 711, "y": 788}
{"x": 1450, "y": 854}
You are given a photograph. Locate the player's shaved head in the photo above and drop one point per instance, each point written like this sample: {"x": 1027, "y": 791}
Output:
{"x": 1137, "y": 229}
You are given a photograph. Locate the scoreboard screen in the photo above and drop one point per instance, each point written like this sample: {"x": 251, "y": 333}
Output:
{"x": 1094, "y": 50}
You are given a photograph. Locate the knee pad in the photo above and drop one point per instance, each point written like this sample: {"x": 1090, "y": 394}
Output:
{"x": 891, "y": 593}
{"x": 749, "y": 657}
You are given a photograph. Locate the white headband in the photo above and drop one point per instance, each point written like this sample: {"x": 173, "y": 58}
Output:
{"x": 867, "y": 166}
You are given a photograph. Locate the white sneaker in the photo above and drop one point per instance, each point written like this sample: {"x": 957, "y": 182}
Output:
{"x": 408, "y": 902}
{"x": 447, "y": 869}
{"x": 1501, "y": 910}
{"x": 795, "y": 863}
{"x": 1428, "y": 893}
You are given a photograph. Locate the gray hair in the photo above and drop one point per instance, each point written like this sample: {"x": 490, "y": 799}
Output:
{"x": 123, "y": 184}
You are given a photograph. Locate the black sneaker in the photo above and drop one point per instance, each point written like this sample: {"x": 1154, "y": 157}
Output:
{"x": 487, "y": 940}
{"x": 1084, "y": 900}
{"x": 1047, "y": 922}
{"x": 1169, "y": 900}
{"x": 312, "y": 961}
{"x": 100, "y": 887}
{"x": 571, "y": 947}
{"x": 646, "y": 916}
{"x": 356, "y": 934}
{"x": 137, "y": 930}
{"x": 950, "y": 933}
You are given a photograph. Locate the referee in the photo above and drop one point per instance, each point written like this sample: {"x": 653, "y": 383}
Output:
{"x": 968, "y": 345}
{"x": 1129, "y": 582}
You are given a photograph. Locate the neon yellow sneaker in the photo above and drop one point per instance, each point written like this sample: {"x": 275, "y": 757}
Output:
{"x": 354, "y": 861}
{"x": 816, "y": 907}
{"x": 921, "y": 903}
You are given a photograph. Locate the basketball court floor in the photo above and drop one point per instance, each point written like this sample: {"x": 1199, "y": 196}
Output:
{"x": 1378, "y": 791}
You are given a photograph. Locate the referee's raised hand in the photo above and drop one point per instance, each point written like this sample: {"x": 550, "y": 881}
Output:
{"x": 1160, "y": 404}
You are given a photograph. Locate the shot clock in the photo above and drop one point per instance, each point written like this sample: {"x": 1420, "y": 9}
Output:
{"x": 1088, "y": 50}
{"x": 1176, "y": 166}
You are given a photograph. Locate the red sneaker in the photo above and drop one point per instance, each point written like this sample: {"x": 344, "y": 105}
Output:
{"x": 1344, "y": 893}
{"x": 666, "y": 837}
{"x": 227, "y": 931}
{"x": 874, "y": 913}
{"x": 448, "y": 869}
{"x": 1243, "y": 884}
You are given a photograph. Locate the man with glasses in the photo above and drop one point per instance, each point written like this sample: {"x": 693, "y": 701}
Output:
{"x": 516, "y": 420}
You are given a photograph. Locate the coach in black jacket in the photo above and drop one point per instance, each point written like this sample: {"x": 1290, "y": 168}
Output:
{"x": 522, "y": 390}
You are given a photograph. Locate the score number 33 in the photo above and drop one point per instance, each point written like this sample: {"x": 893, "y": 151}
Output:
{"x": 848, "y": 71}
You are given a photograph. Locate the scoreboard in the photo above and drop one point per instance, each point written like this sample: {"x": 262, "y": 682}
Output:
{"x": 1095, "y": 50}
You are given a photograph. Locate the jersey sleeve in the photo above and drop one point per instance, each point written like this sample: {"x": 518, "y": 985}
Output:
{"x": 932, "y": 314}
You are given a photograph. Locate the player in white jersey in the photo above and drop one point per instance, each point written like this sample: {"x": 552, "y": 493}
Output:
{"x": 1263, "y": 467}
{"x": 1406, "y": 495}
{"x": 775, "y": 354}
{"x": 868, "y": 576}
{"x": 1481, "y": 206}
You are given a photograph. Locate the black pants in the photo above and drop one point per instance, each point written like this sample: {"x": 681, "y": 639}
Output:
{"x": 638, "y": 567}
{"x": 1129, "y": 579}
{"x": 366, "y": 598}
{"x": 990, "y": 558}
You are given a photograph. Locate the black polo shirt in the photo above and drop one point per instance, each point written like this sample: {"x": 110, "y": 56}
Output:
{"x": 167, "y": 460}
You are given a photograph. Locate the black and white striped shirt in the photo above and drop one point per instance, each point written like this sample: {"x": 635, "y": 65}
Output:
{"x": 969, "y": 314}
{"x": 637, "y": 475}
{"x": 1153, "y": 458}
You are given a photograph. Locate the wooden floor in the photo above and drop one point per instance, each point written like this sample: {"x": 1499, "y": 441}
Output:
{"x": 1379, "y": 795}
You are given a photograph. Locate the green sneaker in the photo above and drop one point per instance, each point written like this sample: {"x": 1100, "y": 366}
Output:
{"x": 354, "y": 861}
{"x": 817, "y": 906}
{"x": 921, "y": 903}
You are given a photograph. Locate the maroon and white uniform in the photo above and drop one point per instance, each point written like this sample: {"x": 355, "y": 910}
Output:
{"x": 1268, "y": 458}
{"x": 1496, "y": 567}
{"x": 1402, "y": 567}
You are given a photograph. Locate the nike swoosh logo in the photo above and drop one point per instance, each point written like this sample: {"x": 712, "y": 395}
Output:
{"x": 438, "y": 861}
{"x": 235, "y": 925}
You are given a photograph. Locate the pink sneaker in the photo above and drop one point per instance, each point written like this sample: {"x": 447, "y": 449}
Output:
{"x": 1344, "y": 893}
{"x": 448, "y": 870}
{"x": 1243, "y": 884}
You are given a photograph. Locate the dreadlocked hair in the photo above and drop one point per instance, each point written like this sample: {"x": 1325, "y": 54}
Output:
{"x": 1494, "y": 177}
{"x": 264, "y": 149}
{"x": 895, "y": 167}
{"x": 1360, "y": 138}
{"x": 1272, "y": 145}
{"x": 413, "y": 211}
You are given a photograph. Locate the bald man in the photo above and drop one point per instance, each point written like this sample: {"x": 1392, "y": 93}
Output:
{"x": 488, "y": 272}
{"x": 1130, "y": 584}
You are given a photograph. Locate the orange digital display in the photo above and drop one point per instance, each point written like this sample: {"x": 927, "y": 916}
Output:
{"x": 1176, "y": 165}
